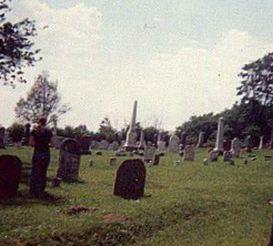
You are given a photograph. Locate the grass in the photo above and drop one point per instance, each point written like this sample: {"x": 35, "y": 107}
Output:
{"x": 189, "y": 204}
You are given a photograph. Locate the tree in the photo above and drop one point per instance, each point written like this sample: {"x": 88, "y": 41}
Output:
{"x": 16, "y": 132}
{"x": 43, "y": 100}
{"x": 106, "y": 131}
{"x": 16, "y": 46}
{"x": 257, "y": 81}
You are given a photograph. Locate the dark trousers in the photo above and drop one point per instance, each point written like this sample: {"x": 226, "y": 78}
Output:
{"x": 40, "y": 162}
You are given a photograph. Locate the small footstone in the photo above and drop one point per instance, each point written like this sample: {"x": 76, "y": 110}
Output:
{"x": 99, "y": 153}
{"x": 113, "y": 161}
{"x": 205, "y": 161}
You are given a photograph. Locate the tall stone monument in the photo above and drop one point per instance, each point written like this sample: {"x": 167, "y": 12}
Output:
{"x": 219, "y": 146}
{"x": 130, "y": 143}
{"x": 200, "y": 139}
{"x": 261, "y": 144}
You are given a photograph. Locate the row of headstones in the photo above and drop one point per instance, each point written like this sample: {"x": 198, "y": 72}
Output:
{"x": 129, "y": 182}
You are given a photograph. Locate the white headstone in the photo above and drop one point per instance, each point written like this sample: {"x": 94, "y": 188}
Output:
{"x": 130, "y": 142}
{"x": 174, "y": 144}
{"x": 235, "y": 147}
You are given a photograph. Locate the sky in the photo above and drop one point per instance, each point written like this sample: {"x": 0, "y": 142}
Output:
{"x": 178, "y": 58}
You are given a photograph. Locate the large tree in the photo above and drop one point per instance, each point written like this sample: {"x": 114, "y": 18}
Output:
{"x": 16, "y": 46}
{"x": 43, "y": 100}
{"x": 257, "y": 81}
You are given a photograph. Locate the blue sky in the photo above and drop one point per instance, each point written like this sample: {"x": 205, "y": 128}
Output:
{"x": 177, "y": 57}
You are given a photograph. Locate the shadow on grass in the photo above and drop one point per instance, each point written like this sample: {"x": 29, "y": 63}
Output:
{"x": 24, "y": 198}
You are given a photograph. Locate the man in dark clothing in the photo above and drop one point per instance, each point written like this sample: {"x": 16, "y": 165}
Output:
{"x": 40, "y": 139}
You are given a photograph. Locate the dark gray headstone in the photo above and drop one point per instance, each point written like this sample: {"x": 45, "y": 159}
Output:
{"x": 10, "y": 175}
{"x": 69, "y": 160}
{"x": 130, "y": 179}
{"x": 2, "y": 137}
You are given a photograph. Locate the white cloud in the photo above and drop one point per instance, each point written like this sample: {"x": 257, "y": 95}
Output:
{"x": 170, "y": 87}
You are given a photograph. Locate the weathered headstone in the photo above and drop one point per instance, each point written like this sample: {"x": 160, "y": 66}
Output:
{"x": 10, "y": 175}
{"x": 200, "y": 140}
{"x": 248, "y": 144}
{"x": 161, "y": 146}
{"x": 227, "y": 156}
{"x": 149, "y": 153}
{"x": 94, "y": 144}
{"x": 120, "y": 152}
{"x": 156, "y": 160}
{"x": 2, "y": 137}
{"x": 174, "y": 144}
{"x": 189, "y": 153}
{"x": 103, "y": 145}
{"x": 130, "y": 179}
{"x": 235, "y": 147}
{"x": 69, "y": 160}
{"x": 113, "y": 146}
{"x": 84, "y": 142}
{"x": 113, "y": 161}
{"x": 220, "y": 136}
{"x": 130, "y": 143}
{"x": 213, "y": 155}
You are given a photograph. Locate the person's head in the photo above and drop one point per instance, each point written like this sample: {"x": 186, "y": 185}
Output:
{"x": 42, "y": 122}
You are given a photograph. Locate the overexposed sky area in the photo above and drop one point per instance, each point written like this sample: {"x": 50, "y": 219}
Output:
{"x": 177, "y": 58}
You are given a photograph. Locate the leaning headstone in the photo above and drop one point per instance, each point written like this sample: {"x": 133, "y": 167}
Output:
{"x": 174, "y": 144}
{"x": 227, "y": 156}
{"x": 2, "y": 137}
{"x": 10, "y": 175}
{"x": 130, "y": 179}
{"x": 200, "y": 140}
{"x": 149, "y": 153}
{"x": 69, "y": 160}
{"x": 235, "y": 147}
{"x": 213, "y": 155}
{"x": 189, "y": 153}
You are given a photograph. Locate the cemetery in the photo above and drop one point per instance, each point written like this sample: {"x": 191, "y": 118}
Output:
{"x": 115, "y": 131}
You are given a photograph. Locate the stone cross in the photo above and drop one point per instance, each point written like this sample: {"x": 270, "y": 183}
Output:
{"x": 130, "y": 142}
{"x": 220, "y": 136}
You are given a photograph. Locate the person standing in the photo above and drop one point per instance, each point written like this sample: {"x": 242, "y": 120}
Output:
{"x": 40, "y": 139}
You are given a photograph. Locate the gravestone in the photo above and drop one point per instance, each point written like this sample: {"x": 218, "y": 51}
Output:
{"x": 161, "y": 146}
{"x": 94, "y": 144}
{"x": 130, "y": 179}
{"x": 248, "y": 144}
{"x": 227, "y": 156}
{"x": 2, "y": 137}
{"x": 174, "y": 144}
{"x": 69, "y": 160}
{"x": 120, "y": 152}
{"x": 189, "y": 153}
{"x": 213, "y": 155}
{"x": 220, "y": 136}
{"x": 200, "y": 140}
{"x": 226, "y": 145}
{"x": 103, "y": 145}
{"x": 156, "y": 160}
{"x": 26, "y": 135}
{"x": 149, "y": 153}
{"x": 235, "y": 147}
{"x": 113, "y": 161}
{"x": 130, "y": 143}
{"x": 113, "y": 146}
{"x": 10, "y": 175}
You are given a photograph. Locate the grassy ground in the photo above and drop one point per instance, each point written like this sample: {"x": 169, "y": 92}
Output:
{"x": 189, "y": 204}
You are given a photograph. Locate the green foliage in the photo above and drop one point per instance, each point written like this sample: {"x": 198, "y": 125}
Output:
{"x": 16, "y": 132}
{"x": 43, "y": 100}
{"x": 16, "y": 46}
